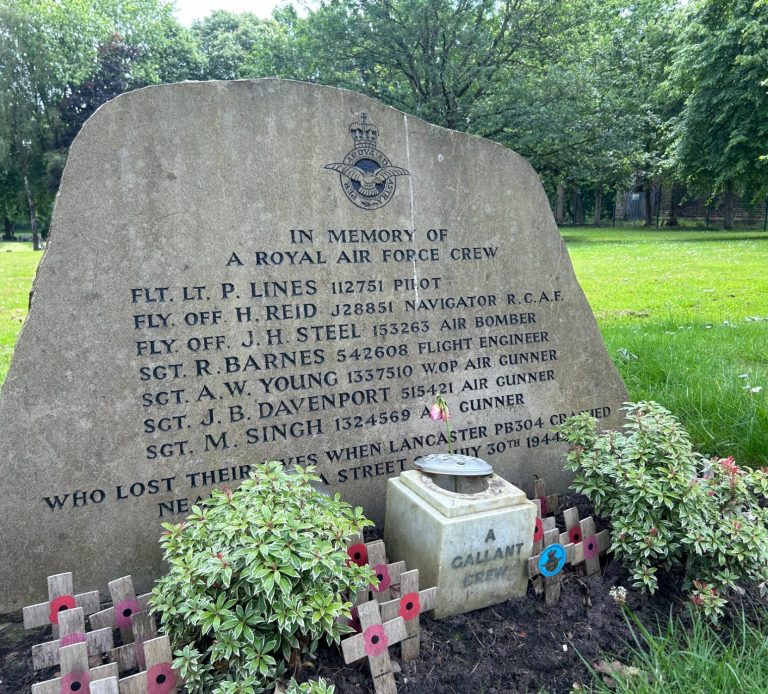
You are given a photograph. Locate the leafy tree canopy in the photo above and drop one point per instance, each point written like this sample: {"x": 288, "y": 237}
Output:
{"x": 596, "y": 94}
{"x": 720, "y": 66}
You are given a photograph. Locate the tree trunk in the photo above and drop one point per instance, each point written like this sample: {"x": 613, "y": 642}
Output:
{"x": 577, "y": 209}
{"x": 598, "y": 205}
{"x": 648, "y": 189}
{"x": 677, "y": 192}
{"x": 560, "y": 204}
{"x": 729, "y": 202}
{"x": 7, "y": 228}
{"x": 32, "y": 215}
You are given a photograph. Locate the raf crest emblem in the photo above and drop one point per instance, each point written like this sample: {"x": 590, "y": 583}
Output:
{"x": 367, "y": 176}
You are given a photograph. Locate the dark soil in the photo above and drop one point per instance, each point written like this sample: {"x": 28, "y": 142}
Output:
{"x": 522, "y": 645}
{"x": 518, "y": 646}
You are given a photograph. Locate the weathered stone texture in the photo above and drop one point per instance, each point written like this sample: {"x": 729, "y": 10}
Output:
{"x": 209, "y": 300}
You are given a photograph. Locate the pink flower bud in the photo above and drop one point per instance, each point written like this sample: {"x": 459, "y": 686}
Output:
{"x": 730, "y": 466}
{"x": 435, "y": 413}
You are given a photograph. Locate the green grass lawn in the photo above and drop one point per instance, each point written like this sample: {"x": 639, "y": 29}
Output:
{"x": 684, "y": 315}
{"x": 18, "y": 263}
{"x": 693, "y": 659}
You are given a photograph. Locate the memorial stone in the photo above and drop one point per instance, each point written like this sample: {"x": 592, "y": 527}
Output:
{"x": 241, "y": 271}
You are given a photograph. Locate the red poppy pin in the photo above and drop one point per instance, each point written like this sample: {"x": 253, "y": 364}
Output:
{"x": 409, "y": 606}
{"x": 382, "y": 573}
{"x": 71, "y": 639}
{"x": 161, "y": 679}
{"x": 358, "y": 554}
{"x": 63, "y": 602}
{"x": 79, "y": 681}
{"x": 591, "y": 548}
{"x": 375, "y": 640}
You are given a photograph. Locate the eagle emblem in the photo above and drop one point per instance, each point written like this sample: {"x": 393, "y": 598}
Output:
{"x": 367, "y": 177}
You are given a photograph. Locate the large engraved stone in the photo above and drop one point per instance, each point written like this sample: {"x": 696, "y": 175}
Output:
{"x": 244, "y": 271}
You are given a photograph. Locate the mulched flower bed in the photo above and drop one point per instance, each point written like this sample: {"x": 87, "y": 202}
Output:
{"x": 521, "y": 645}
{"x": 517, "y": 646}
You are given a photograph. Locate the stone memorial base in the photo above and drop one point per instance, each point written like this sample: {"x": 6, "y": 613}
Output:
{"x": 474, "y": 547}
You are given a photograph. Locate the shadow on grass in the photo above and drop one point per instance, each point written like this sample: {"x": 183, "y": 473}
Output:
{"x": 632, "y": 236}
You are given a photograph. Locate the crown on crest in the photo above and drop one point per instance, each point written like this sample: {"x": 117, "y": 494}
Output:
{"x": 364, "y": 132}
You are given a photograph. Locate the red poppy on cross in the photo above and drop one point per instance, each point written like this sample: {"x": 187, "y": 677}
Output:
{"x": 373, "y": 643}
{"x": 409, "y": 606}
{"x": 76, "y": 676}
{"x": 60, "y": 598}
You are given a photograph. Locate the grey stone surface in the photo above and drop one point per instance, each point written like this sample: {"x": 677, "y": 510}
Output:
{"x": 214, "y": 295}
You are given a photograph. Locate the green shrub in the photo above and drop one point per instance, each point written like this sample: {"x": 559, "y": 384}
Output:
{"x": 319, "y": 686}
{"x": 257, "y": 578}
{"x": 669, "y": 507}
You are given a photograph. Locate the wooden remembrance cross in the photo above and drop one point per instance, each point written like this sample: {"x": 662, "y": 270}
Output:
{"x": 388, "y": 574}
{"x": 131, "y": 655}
{"x": 75, "y": 673}
{"x": 548, "y": 565}
{"x": 60, "y": 598}
{"x": 409, "y": 606}
{"x": 373, "y": 643}
{"x": 543, "y": 525}
{"x": 125, "y": 604}
{"x": 71, "y": 631}
{"x": 373, "y": 554}
{"x": 548, "y": 502}
{"x": 159, "y": 677}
